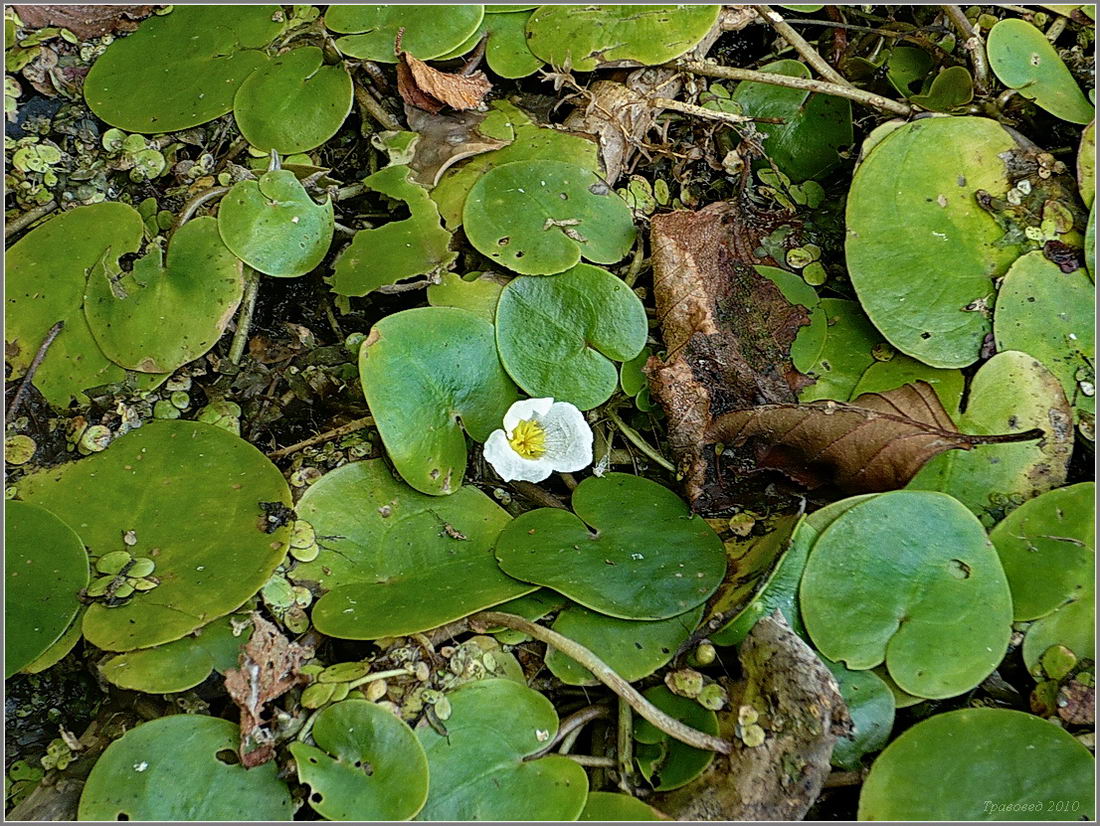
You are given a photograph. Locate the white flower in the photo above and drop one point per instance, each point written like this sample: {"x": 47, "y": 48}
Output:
{"x": 540, "y": 436}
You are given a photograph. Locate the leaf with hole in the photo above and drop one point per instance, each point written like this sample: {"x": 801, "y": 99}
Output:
{"x": 274, "y": 226}
{"x": 542, "y": 217}
{"x": 367, "y": 764}
{"x": 191, "y": 493}
{"x": 480, "y": 768}
{"x": 45, "y": 568}
{"x": 909, "y": 578}
{"x": 652, "y": 560}
{"x": 154, "y": 771}
{"x": 294, "y": 103}
{"x": 429, "y": 31}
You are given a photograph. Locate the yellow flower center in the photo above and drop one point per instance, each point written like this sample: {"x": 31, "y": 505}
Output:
{"x": 528, "y": 439}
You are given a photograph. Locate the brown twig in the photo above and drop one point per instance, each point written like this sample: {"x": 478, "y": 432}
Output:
{"x": 244, "y": 319}
{"x": 537, "y": 495}
{"x": 808, "y": 52}
{"x": 28, "y": 218}
{"x": 602, "y": 672}
{"x": 335, "y": 433}
{"x": 372, "y": 107}
{"x": 974, "y": 44}
{"x": 575, "y": 721}
{"x": 192, "y": 204}
{"x": 21, "y": 393}
{"x": 697, "y": 67}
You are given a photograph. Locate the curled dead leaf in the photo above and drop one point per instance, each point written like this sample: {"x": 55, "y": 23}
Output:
{"x": 430, "y": 89}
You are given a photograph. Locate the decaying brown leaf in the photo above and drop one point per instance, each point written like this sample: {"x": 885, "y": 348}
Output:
{"x": 444, "y": 141}
{"x": 84, "y": 21}
{"x": 786, "y": 716}
{"x": 426, "y": 88}
{"x": 266, "y": 669}
{"x": 875, "y": 443}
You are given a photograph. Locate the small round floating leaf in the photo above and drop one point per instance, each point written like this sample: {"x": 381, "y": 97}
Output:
{"x": 542, "y": 217}
{"x": 1046, "y": 548}
{"x": 605, "y": 806}
{"x": 274, "y": 226}
{"x": 430, "y": 31}
{"x": 652, "y": 559}
{"x": 294, "y": 103}
{"x": 506, "y": 49}
{"x": 871, "y": 706}
{"x": 1023, "y": 59}
{"x": 582, "y": 38}
{"x": 664, "y": 761}
{"x": 479, "y": 770}
{"x": 981, "y": 764}
{"x": 367, "y": 764}
{"x": 1072, "y": 625}
{"x": 951, "y": 88}
{"x": 45, "y": 566}
{"x": 191, "y": 493}
{"x": 383, "y": 546}
{"x": 172, "y": 769}
{"x": 909, "y": 578}
{"x": 633, "y": 649}
{"x": 180, "y": 69}
{"x": 162, "y": 315}
{"x": 911, "y": 212}
{"x": 557, "y": 336}
{"x": 429, "y": 373}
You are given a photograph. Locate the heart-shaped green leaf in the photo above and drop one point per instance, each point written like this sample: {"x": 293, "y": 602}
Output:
{"x": 632, "y": 649}
{"x": 182, "y": 664}
{"x": 383, "y": 546}
{"x": 367, "y": 764}
{"x": 909, "y": 578}
{"x": 912, "y": 207}
{"x": 161, "y": 315}
{"x": 478, "y": 768}
{"x": 582, "y": 38}
{"x": 651, "y": 560}
{"x": 180, "y": 69}
{"x": 665, "y": 762}
{"x": 274, "y": 226}
{"x": 542, "y": 217}
{"x": 556, "y": 335}
{"x": 429, "y": 31}
{"x": 998, "y": 764}
{"x": 1023, "y": 59}
{"x": 871, "y": 706}
{"x": 191, "y": 493}
{"x": 176, "y": 768}
{"x": 398, "y": 250}
{"x": 44, "y": 569}
{"x": 428, "y": 373}
{"x": 294, "y": 103}
{"x": 950, "y": 89}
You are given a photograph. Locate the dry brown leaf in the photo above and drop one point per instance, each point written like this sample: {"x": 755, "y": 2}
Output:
{"x": 84, "y": 21}
{"x": 444, "y": 141}
{"x": 799, "y": 708}
{"x": 266, "y": 669}
{"x": 426, "y": 88}
{"x": 875, "y": 443}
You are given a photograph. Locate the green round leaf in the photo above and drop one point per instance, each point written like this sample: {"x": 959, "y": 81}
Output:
{"x": 912, "y": 207}
{"x": 1050, "y": 315}
{"x": 274, "y": 226}
{"x": 1023, "y": 59}
{"x": 604, "y": 806}
{"x": 430, "y": 31}
{"x": 542, "y": 217}
{"x": 651, "y": 561}
{"x": 191, "y": 494}
{"x": 294, "y": 103}
{"x": 906, "y": 67}
{"x": 180, "y": 69}
{"x": 583, "y": 38}
{"x": 1012, "y": 392}
{"x": 506, "y": 50}
{"x": 383, "y": 546}
{"x": 45, "y": 566}
{"x": 950, "y": 89}
{"x": 901, "y": 369}
{"x": 845, "y": 352}
{"x": 871, "y": 706}
{"x": 1047, "y": 550}
{"x": 632, "y": 649}
{"x": 174, "y": 768}
{"x": 478, "y": 768}
{"x": 557, "y": 336}
{"x": 478, "y": 295}
{"x": 981, "y": 764}
{"x": 664, "y": 761}
{"x": 936, "y": 608}
{"x": 814, "y": 127}
{"x": 632, "y": 379}
{"x": 179, "y": 665}
{"x": 427, "y": 374}
{"x": 1072, "y": 625}
{"x": 367, "y": 764}
{"x": 160, "y": 316}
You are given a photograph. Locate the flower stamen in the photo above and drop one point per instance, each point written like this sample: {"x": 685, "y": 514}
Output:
{"x": 528, "y": 439}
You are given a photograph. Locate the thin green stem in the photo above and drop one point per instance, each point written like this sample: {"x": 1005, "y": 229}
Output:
{"x": 636, "y": 439}
{"x": 244, "y": 319}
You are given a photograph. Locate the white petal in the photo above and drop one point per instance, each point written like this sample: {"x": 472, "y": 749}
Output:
{"x": 568, "y": 438}
{"x": 526, "y": 409}
{"x": 510, "y": 465}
